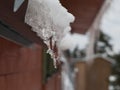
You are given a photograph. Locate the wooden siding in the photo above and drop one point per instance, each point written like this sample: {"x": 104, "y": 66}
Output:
{"x": 20, "y": 67}
{"x": 94, "y": 77}
{"x": 54, "y": 83}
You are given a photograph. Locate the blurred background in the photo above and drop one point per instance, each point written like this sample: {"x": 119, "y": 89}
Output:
{"x": 89, "y": 52}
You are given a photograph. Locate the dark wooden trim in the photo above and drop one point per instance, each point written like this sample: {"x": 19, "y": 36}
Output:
{"x": 16, "y": 20}
{"x": 9, "y": 33}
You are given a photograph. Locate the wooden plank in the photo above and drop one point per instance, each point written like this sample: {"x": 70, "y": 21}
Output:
{"x": 81, "y": 76}
{"x": 20, "y": 67}
{"x": 54, "y": 82}
{"x": 10, "y": 34}
{"x": 18, "y": 59}
{"x": 97, "y": 75}
{"x": 2, "y": 83}
{"x": 94, "y": 77}
{"x": 22, "y": 81}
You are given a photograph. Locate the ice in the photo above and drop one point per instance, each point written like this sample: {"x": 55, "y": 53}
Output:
{"x": 51, "y": 21}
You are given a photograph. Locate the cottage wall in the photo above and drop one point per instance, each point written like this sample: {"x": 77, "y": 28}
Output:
{"x": 20, "y": 67}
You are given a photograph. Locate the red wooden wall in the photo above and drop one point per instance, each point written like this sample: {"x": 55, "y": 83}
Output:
{"x": 20, "y": 67}
{"x": 54, "y": 83}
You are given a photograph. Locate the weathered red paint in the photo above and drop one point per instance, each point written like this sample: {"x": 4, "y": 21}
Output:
{"x": 54, "y": 83}
{"x": 20, "y": 67}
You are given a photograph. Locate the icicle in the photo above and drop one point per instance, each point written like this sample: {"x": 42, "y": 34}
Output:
{"x": 52, "y": 50}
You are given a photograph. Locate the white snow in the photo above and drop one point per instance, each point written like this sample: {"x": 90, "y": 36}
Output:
{"x": 110, "y": 24}
{"x": 58, "y": 13}
{"x": 111, "y": 87}
{"x": 101, "y": 44}
{"x": 49, "y": 19}
{"x": 67, "y": 84}
{"x": 71, "y": 41}
{"x": 112, "y": 78}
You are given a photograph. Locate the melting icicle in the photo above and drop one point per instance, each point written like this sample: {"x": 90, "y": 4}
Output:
{"x": 52, "y": 50}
